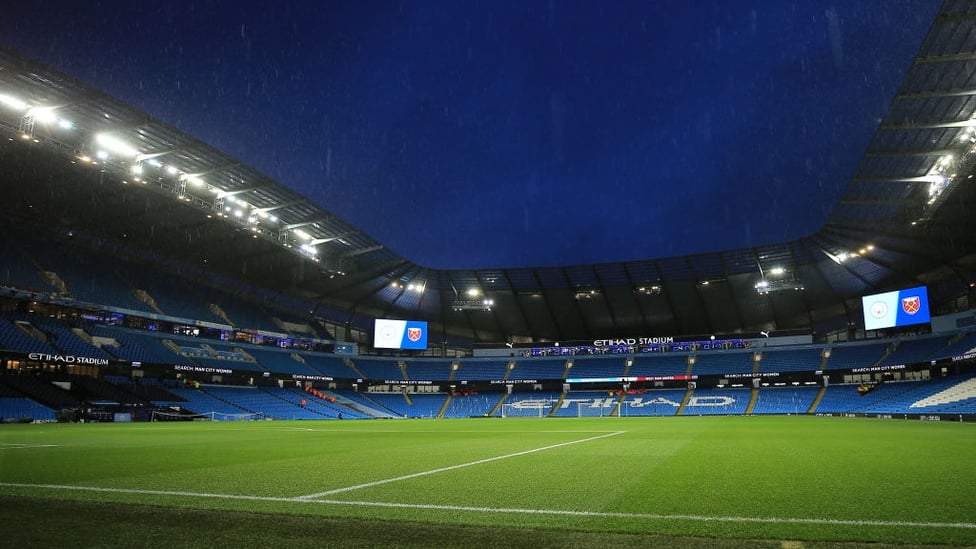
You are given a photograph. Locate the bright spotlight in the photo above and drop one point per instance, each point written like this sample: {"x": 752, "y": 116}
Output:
{"x": 13, "y": 102}
{"x": 116, "y": 145}
{"x": 45, "y": 116}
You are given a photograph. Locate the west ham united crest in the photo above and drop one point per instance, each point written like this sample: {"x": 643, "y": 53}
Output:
{"x": 910, "y": 304}
{"x": 414, "y": 334}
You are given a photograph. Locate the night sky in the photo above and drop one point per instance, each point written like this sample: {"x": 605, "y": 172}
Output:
{"x": 502, "y": 134}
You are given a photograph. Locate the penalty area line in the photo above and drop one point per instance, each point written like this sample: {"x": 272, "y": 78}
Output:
{"x": 509, "y": 511}
{"x": 454, "y": 467}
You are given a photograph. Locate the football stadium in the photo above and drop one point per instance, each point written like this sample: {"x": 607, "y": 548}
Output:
{"x": 196, "y": 354}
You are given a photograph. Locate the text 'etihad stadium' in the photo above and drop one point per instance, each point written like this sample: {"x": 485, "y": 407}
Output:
{"x": 632, "y": 341}
{"x": 67, "y": 359}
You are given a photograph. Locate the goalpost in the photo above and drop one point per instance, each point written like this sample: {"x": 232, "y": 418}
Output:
{"x": 603, "y": 410}
{"x": 541, "y": 409}
{"x": 158, "y": 415}
{"x": 209, "y": 416}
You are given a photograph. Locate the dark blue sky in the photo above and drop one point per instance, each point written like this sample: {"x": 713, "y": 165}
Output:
{"x": 499, "y": 134}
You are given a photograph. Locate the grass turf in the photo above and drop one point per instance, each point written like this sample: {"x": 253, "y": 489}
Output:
{"x": 727, "y": 481}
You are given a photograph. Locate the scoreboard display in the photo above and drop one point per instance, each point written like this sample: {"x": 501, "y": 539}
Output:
{"x": 400, "y": 334}
{"x": 897, "y": 308}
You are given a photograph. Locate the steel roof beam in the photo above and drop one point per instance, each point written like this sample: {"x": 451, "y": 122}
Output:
{"x": 362, "y": 251}
{"x": 927, "y": 125}
{"x": 909, "y": 153}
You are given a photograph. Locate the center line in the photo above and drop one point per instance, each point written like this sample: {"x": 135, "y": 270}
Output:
{"x": 454, "y": 467}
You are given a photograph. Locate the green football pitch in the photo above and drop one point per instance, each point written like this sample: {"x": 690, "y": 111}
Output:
{"x": 576, "y": 482}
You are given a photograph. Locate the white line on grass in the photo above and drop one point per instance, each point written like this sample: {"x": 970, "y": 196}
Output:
{"x": 454, "y": 467}
{"x": 22, "y": 446}
{"x": 437, "y": 431}
{"x": 511, "y": 511}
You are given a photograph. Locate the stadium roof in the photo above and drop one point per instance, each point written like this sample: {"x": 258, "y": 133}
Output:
{"x": 514, "y": 134}
{"x": 75, "y": 156}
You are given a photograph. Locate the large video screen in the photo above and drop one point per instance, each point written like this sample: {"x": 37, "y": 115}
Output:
{"x": 400, "y": 334}
{"x": 898, "y": 308}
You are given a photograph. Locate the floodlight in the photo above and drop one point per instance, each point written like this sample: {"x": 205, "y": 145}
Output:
{"x": 777, "y": 271}
{"x": 45, "y": 115}
{"x": 474, "y": 292}
{"x": 13, "y": 102}
{"x": 116, "y": 145}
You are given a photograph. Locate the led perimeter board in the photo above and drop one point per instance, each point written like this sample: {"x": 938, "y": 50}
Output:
{"x": 399, "y": 334}
{"x": 898, "y": 308}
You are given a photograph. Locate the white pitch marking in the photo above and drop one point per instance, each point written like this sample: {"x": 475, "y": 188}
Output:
{"x": 22, "y": 446}
{"x": 400, "y": 431}
{"x": 454, "y": 467}
{"x": 513, "y": 510}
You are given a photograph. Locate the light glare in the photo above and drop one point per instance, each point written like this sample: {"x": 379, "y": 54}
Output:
{"x": 13, "y": 102}
{"x": 45, "y": 116}
{"x": 115, "y": 145}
